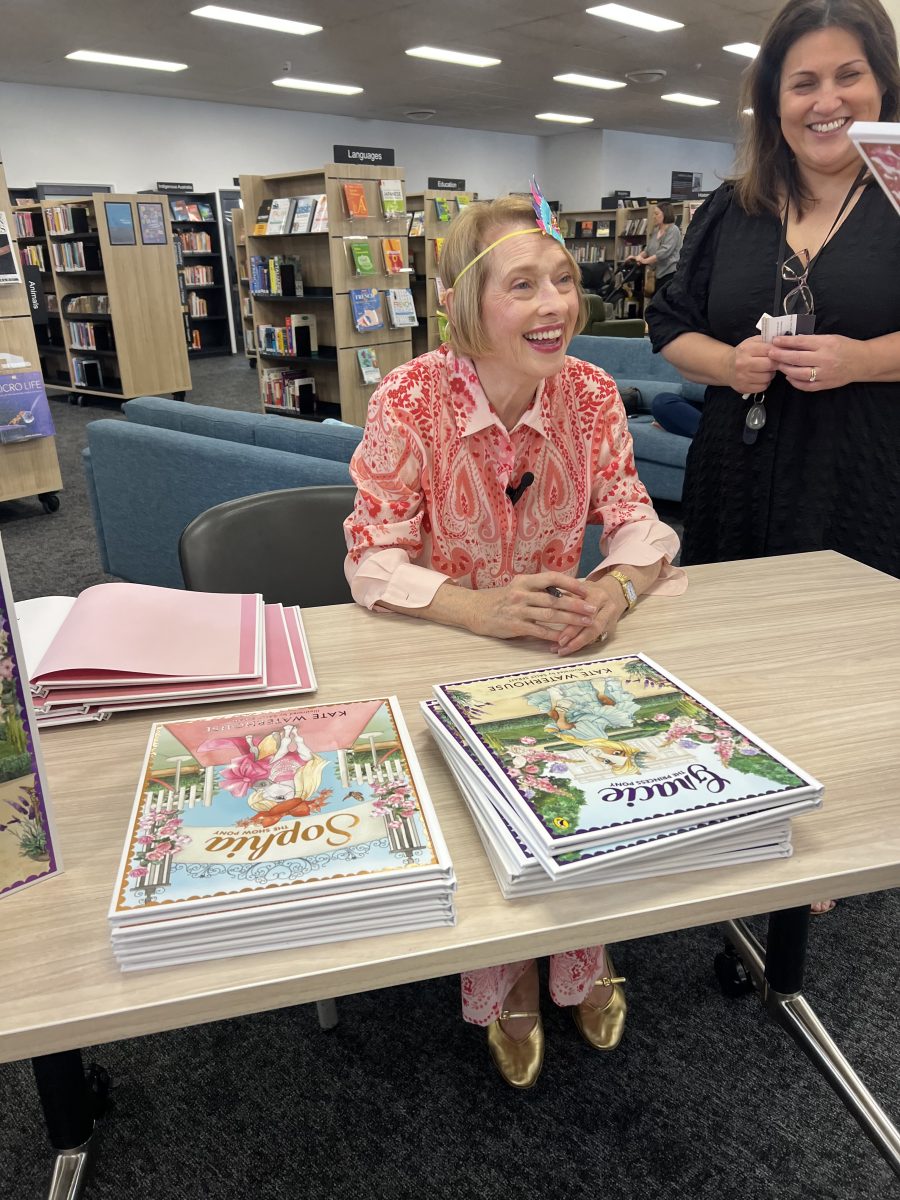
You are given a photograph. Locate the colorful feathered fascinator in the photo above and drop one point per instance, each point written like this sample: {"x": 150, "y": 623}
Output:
{"x": 546, "y": 218}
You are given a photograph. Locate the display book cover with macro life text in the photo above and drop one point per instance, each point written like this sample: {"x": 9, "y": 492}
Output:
{"x": 28, "y": 846}
{"x": 257, "y": 807}
{"x": 615, "y": 747}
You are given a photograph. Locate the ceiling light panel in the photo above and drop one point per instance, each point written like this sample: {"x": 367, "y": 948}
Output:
{"x": 238, "y": 17}
{"x": 591, "y": 81}
{"x": 634, "y": 17}
{"x": 685, "y": 98}
{"x": 747, "y": 49}
{"x": 453, "y": 56}
{"x": 125, "y": 60}
{"x": 565, "y": 118}
{"x": 311, "y": 85}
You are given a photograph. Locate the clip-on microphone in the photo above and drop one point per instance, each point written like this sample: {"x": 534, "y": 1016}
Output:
{"x": 515, "y": 493}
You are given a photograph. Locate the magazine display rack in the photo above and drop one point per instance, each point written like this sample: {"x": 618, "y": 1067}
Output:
{"x": 202, "y": 272}
{"x": 325, "y": 366}
{"x": 425, "y": 256}
{"x": 28, "y": 468}
{"x": 115, "y": 325}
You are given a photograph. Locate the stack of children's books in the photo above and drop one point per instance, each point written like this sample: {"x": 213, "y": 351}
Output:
{"x": 278, "y": 828}
{"x": 598, "y": 772}
{"x": 126, "y": 646}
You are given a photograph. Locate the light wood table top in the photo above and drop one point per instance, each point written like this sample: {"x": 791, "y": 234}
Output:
{"x": 804, "y": 650}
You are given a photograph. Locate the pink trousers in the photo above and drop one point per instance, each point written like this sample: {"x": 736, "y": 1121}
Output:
{"x": 572, "y": 976}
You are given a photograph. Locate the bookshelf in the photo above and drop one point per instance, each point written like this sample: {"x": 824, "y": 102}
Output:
{"x": 28, "y": 468}
{"x": 202, "y": 274}
{"x": 591, "y": 236}
{"x": 327, "y": 272}
{"x": 242, "y": 263}
{"x": 425, "y": 256}
{"x": 115, "y": 322}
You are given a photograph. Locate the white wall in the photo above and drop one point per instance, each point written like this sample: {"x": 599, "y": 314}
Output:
{"x": 70, "y": 135}
{"x": 644, "y": 163}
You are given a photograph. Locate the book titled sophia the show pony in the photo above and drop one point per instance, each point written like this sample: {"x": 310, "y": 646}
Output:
{"x": 258, "y": 808}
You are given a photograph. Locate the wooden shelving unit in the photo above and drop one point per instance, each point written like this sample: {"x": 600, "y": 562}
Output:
{"x": 197, "y": 228}
{"x": 242, "y": 261}
{"x": 124, "y": 298}
{"x": 591, "y": 236}
{"x": 328, "y": 277}
{"x": 425, "y": 257}
{"x": 29, "y": 468}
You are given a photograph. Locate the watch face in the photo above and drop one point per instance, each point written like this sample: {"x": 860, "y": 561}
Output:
{"x": 630, "y": 593}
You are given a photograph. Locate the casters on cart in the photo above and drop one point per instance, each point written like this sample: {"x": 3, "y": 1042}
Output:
{"x": 734, "y": 978}
{"x": 50, "y": 501}
{"x": 178, "y": 396}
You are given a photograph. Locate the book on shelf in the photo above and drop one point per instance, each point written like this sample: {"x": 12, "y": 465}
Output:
{"x": 275, "y": 275}
{"x": 304, "y": 208}
{"x": 261, "y": 227}
{"x": 194, "y": 212}
{"x": 401, "y": 308}
{"x": 289, "y": 389}
{"x": 596, "y": 757}
{"x": 179, "y": 209}
{"x": 67, "y": 218}
{"x": 29, "y": 847}
{"x": 438, "y": 247}
{"x": 304, "y": 333}
{"x": 361, "y": 256}
{"x": 278, "y": 828}
{"x": 355, "y": 200}
{"x": 196, "y": 340}
{"x": 416, "y": 224}
{"x": 365, "y": 305}
{"x": 205, "y": 210}
{"x": 320, "y": 217}
{"x": 463, "y": 200}
{"x": 584, "y": 229}
{"x": 280, "y": 215}
{"x": 194, "y": 243}
{"x": 603, "y": 229}
{"x": 442, "y": 208}
{"x": 393, "y": 206}
{"x": 439, "y": 290}
{"x": 392, "y": 250}
{"x": 368, "y": 364}
{"x": 87, "y": 372}
{"x": 9, "y": 263}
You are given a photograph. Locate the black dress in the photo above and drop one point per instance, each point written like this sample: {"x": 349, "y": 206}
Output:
{"x": 824, "y": 473}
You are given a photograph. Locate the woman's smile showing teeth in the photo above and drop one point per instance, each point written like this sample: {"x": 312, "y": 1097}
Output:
{"x": 829, "y": 126}
{"x": 545, "y": 339}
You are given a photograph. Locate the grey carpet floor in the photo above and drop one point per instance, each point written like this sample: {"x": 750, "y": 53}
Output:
{"x": 703, "y": 1100}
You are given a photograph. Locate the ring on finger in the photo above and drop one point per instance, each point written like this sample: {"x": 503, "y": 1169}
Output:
{"x": 812, "y": 375}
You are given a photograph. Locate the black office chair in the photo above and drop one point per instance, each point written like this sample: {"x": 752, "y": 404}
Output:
{"x": 289, "y": 545}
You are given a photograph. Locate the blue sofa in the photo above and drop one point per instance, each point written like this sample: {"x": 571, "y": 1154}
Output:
{"x": 659, "y": 456}
{"x": 151, "y": 474}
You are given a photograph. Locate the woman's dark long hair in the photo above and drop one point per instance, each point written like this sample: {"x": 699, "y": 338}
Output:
{"x": 766, "y": 172}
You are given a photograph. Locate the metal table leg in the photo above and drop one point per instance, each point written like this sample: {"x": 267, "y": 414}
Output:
{"x": 70, "y": 1103}
{"x": 778, "y": 974}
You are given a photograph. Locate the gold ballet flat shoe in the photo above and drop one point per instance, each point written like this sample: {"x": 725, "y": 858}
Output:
{"x": 602, "y": 1028}
{"x": 518, "y": 1061}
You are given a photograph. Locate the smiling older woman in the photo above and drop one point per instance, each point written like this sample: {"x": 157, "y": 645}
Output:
{"x": 481, "y": 466}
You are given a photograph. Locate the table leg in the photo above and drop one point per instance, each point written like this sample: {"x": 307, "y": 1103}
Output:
{"x": 778, "y": 974}
{"x": 70, "y": 1105}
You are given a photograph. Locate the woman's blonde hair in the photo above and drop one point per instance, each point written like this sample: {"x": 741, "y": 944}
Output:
{"x": 475, "y": 228}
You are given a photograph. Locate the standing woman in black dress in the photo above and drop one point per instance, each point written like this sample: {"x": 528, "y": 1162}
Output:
{"x": 799, "y": 444}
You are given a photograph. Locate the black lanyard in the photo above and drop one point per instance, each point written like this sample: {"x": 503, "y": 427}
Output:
{"x": 776, "y": 303}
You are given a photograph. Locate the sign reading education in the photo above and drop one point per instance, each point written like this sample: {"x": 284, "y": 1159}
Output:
{"x": 365, "y": 156}
{"x": 442, "y": 183}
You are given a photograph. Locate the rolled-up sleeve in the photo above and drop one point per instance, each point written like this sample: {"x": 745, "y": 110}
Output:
{"x": 384, "y": 531}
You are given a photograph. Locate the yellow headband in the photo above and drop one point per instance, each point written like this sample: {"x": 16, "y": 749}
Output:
{"x": 515, "y": 233}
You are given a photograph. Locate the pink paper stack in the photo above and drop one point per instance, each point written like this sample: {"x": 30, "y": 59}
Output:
{"x": 125, "y": 646}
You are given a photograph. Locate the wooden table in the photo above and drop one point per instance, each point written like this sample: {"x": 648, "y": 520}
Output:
{"x": 804, "y": 650}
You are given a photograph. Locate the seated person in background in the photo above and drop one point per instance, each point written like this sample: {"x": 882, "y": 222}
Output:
{"x": 674, "y": 414}
{"x": 481, "y": 465}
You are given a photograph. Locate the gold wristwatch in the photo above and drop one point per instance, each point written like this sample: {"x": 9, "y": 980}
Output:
{"x": 628, "y": 589}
